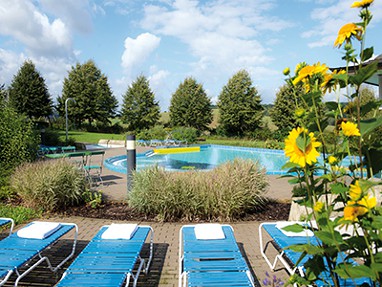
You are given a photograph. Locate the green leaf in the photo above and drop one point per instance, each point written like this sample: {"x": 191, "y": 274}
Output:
{"x": 329, "y": 238}
{"x": 290, "y": 165}
{"x": 367, "y": 53}
{"x": 369, "y": 125}
{"x": 331, "y": 105}
{"x": 308, "y": 248}
{"x": 294, "y": 228}
{"x": 338, "y": 188}
{"x": 347, "y": 271}
{"x": 363, "y": 74}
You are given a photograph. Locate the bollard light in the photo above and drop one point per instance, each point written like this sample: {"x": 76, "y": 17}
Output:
{"x": 131, "y": 160}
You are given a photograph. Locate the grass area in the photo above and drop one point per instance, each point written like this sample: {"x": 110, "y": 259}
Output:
{"x": 245, "y": 143}
{"x": 87, "y": 137}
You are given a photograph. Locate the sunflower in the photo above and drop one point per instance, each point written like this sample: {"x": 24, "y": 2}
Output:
{"x": 353, "y": 209}
{"x": 346, "y": 32}
{"x": 319, "y": 206}
{"x": 332, "y": 160}
{"x": 308, "y": 72}
{"x": 301, "y": 147}
{"x": 355, "y": 191}
{"x": 350, "y": 129}
{"x": 361, "y": 4}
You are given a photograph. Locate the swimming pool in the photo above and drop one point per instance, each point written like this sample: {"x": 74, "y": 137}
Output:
{"x": 209, "y": 157}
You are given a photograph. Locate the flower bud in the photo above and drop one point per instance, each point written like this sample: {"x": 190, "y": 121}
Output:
{"x": 286, "y": 71}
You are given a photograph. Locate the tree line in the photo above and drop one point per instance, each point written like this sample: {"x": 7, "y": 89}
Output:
{"x": 93, "y": 101}
{"x": 239, "y": 102}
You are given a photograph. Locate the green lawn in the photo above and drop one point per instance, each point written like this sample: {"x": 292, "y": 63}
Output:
{"x": 87, "y": 137}
{"x": 93, "y": 138}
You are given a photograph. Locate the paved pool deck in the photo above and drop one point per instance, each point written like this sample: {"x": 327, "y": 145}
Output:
{"x": 164, "y": 269}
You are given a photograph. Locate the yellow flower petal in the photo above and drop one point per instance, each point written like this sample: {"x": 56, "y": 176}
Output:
{"x": 298, "y": 154}
{"x": 332, "y": 160}
{"x": 361, "y": 4}
{"x": 346, "y": 32}
{"x": 350, "y": 129}
{"x": 355, "y": 191}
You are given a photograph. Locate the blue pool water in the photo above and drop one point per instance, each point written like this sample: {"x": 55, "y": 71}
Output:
{"x": 208, "y": 158}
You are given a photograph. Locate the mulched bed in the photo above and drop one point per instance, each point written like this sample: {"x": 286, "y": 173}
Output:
{"x": 121, "y": 211}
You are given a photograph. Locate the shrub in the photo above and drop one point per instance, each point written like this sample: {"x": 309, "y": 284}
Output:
{"x": 228, "y": 192}
{"x": 19, "y": 214}
{"x": 185, "y": 134}
{"x": 50, "y": 185}
{"x": 157, "y": 132}
{"x": 18, "y": 142}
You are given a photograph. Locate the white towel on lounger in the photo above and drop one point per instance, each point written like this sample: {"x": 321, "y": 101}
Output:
{"x": 209, "y": 231}
{"x": 120, "y": 231}
{"x": 38, "y": 230}
{"x": 281, "y": 225}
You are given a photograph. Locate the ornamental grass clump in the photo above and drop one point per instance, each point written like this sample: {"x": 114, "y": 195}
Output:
{"x": 228, "y": 192}
{"x": 341, "y": 200}
{"x": 48, "y": 185}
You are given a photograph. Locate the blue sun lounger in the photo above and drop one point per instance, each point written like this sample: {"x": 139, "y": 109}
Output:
{"x": 16, "y": 252}
{"x": 109, "y": 262}
{"x": 211, "y": 262}
{"x": 289, "y": 258}
{"x": 4, "y": 221}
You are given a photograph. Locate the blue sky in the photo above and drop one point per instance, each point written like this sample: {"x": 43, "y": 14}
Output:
{"x": 168, "y": 41}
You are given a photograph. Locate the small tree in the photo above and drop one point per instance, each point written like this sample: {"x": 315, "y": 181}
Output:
{"x": 190, "y": 106}
{"x": 28, "y": 93}
{"x": 3, "y": 94}
{"x": 18, "y": 142}
{"x": 283, "y": 111}
{"x": 240, "y": 106}
{"x": 139, "y": 109}
{"x": 92, "y": 94}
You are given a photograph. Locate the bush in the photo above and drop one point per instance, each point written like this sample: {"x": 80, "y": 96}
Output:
{"x": 19, "y": 214}
{"x": 18, "y": 142}
{"x": 185, "y": 134}
{"x": 228, "y": 192}
{"x": 157, "y": 132}
{"x": 50, "y": 185}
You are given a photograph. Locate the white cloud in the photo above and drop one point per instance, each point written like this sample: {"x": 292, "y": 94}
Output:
{"x": 331, "y": 18}
{"x": 22, "y": 21}
{"x": 222, "y": 36}
{"x": 75, "y": 13}
{"x": 9, "y": 64}
{"x": 158, "y": 82}
{"x": 137, "y": 50}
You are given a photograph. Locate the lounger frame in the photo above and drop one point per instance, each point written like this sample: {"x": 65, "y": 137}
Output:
{"x": 280, "y": 257}
{"x": 87, "y": 273}
{"x": 5, "y": 220}
{"x": 38, "y": 253}
{"x": 288, "y": 257}
{"x": 232, "y": 253}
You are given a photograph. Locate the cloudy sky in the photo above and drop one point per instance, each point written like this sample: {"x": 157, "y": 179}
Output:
{"x": 169, "y": 40}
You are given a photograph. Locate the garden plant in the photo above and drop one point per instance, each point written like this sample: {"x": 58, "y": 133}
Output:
{"x": 342, "y": 202}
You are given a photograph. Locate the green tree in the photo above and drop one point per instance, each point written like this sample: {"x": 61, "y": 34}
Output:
{"x": 190, "y": 106}
{"x": 18, "y": 142}
{"x": 283, "y": 110}
{"x": 240, "y": 106}
{"x": 28, "y": 93}
{"x": 94, "y": 100}
{"x": 3, "y": 94}
{"x": 139, "y": 108}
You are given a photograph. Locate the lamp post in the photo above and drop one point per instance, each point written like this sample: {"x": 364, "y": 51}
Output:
{"x": 66, "y": 117}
